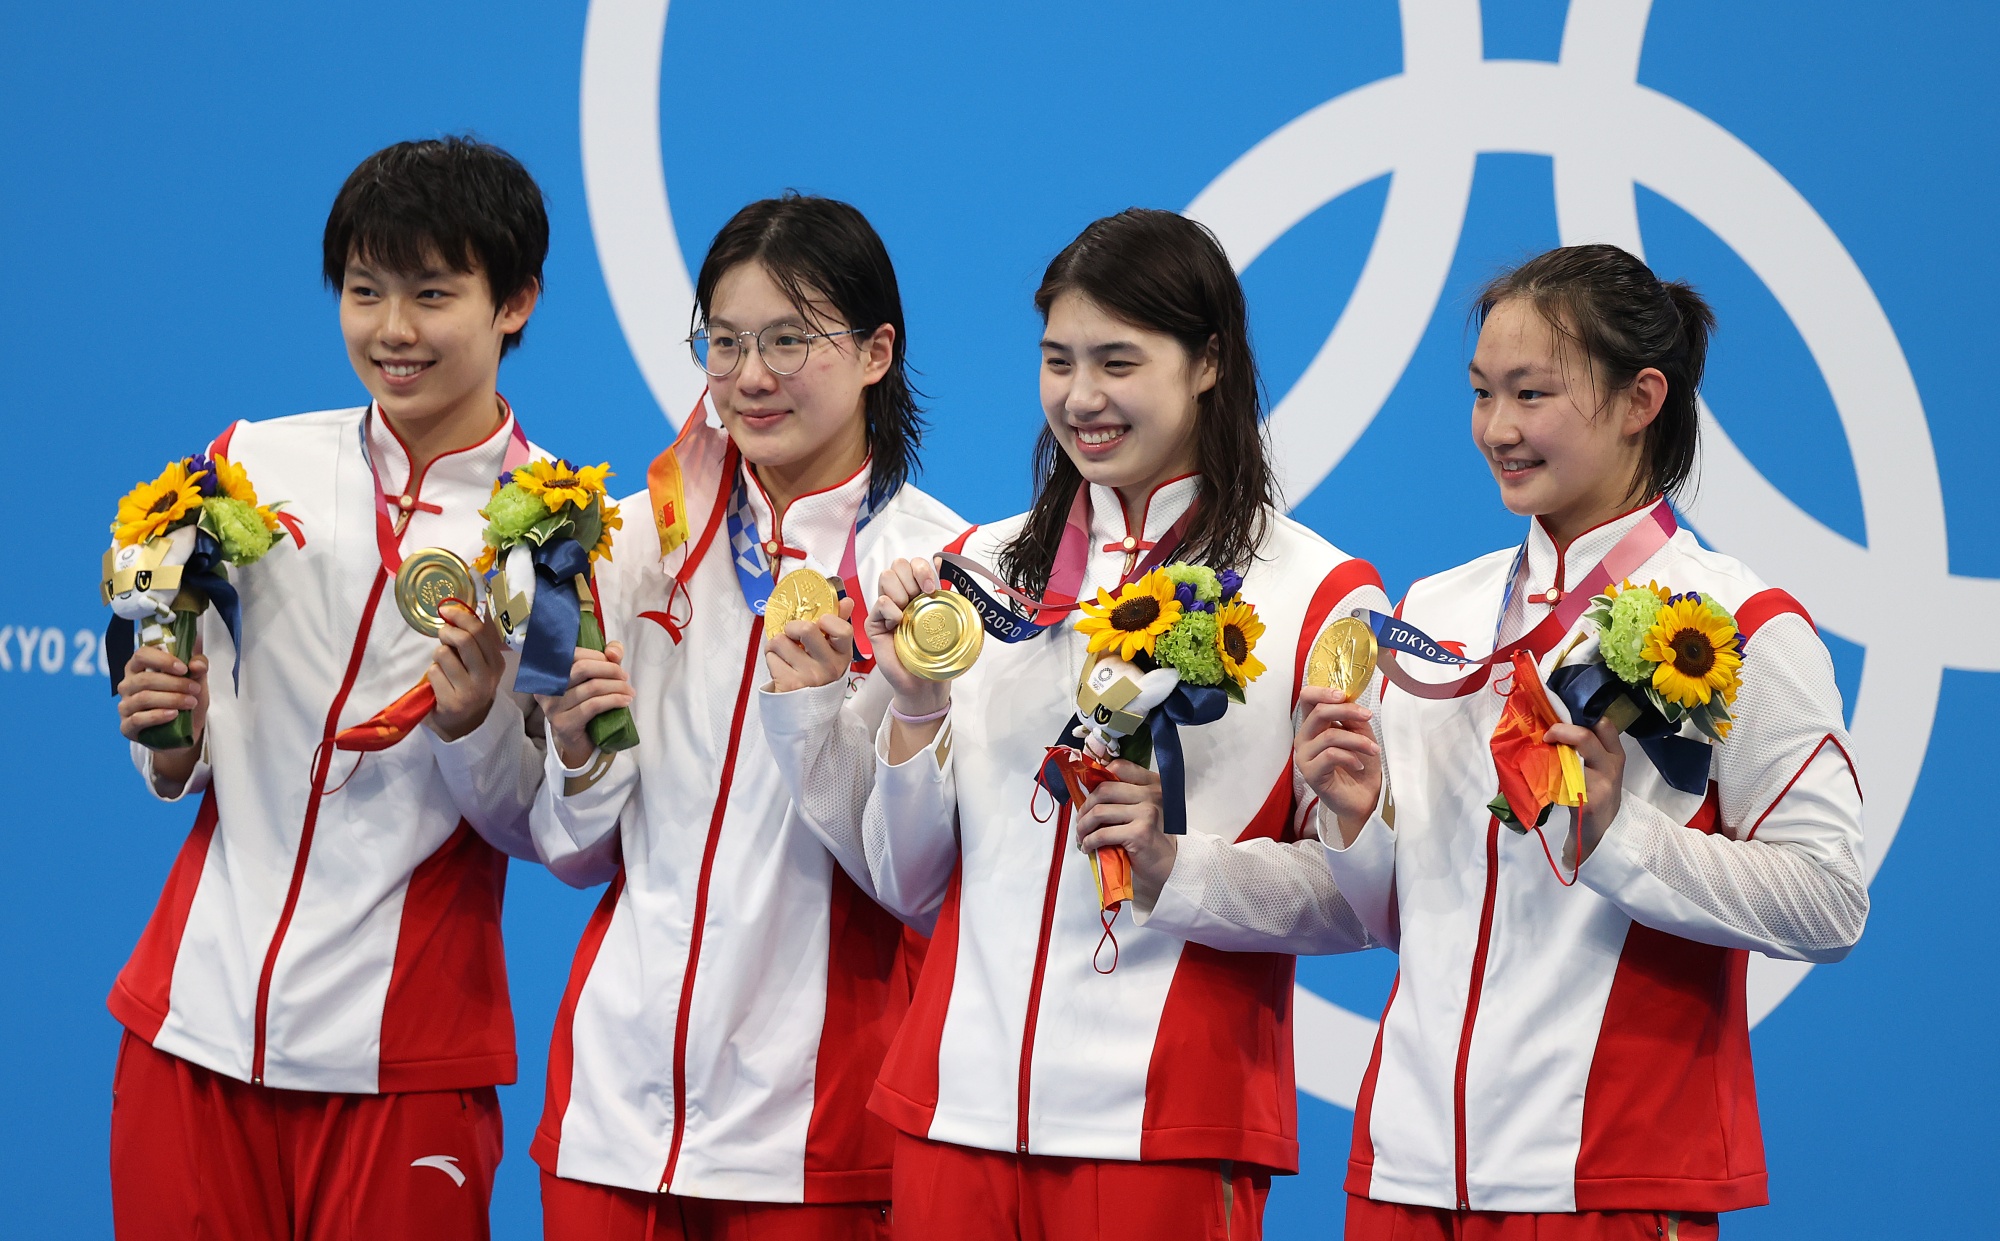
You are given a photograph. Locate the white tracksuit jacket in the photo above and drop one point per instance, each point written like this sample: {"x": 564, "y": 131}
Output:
{"x": 736, "y": 989}
{"x": 1551, "y": 1048}
{"x": 1014, "y": 1041}
{"x": 333, "y": 921}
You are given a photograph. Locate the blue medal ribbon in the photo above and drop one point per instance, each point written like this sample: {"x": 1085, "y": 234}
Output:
{"x": 1588, "y": 690}
{"x": 1000, "y": 620}
{"x": 555, "y": 620}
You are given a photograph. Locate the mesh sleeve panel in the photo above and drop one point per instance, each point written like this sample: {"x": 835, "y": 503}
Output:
{"x": 1256, "y": 896}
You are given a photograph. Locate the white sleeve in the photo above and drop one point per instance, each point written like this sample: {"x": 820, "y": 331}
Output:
{"x": 142, "y": 759}
{"x": 494, "y": 771}
{"x": 1265, "y": 895}
{"x": 822, "y": 743}
{"x": 1365, "y": 873}
{"x": 574, "y": 823}
{"x": 1253, "y": 896}
{"x": 909, "y": 829}
{"x": 1782, "y": 875}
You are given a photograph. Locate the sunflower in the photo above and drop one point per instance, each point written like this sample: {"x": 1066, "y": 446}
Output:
{"x": 483, "y": 563}
{"x": 558, "y": 483}
{"x": 1696, "y": 652}
{"x": 1237, "y": 629}
{"x": 612, "y": 521}
{"x": 153, "y": 508}
{"x": 1133, "y": 620}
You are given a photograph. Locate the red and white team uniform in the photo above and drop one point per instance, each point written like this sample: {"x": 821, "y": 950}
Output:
{"x": 333, "y": 922}
{"x": 1586, "y": 1048}
{"x": 1015, "y": 1042}
{"x": 735, "y": 991}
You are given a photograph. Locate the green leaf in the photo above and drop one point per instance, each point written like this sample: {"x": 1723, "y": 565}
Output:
{"x": 1232, "y": 690}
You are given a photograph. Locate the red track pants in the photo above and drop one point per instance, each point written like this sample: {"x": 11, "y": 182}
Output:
{"x": 196, "y": 1154}
{"x": 964, "y": 1194}
{"x": 582, "y": 1211}
{"x": 1368, "y": 1220}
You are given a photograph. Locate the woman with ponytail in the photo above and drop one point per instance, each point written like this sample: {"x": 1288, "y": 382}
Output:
{"x": 1070, "y": 1069}
{"x": 1575, "y": 842}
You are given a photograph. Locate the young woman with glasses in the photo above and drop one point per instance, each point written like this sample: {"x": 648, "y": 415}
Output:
{"x": 736, "y": 989}
{"x": 1048, "y": 1084}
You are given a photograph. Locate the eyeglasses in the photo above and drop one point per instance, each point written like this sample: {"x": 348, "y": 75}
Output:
{"x": 783, "y": 346}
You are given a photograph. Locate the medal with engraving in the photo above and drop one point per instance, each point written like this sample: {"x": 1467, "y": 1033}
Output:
{"x": 1343, "y": 658}
{"x": 425, "y": 581}
{"x": 941, "y": 636}
{"x": 802, "y": 594}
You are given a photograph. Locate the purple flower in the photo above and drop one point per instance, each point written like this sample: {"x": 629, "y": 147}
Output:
{"x": 1185, "y": 593}
{"x": 1232, "y": 581}
{"x": 207, "y": 484}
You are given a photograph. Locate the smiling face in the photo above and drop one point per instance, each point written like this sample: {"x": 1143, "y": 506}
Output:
{"x": 806, "y": 431}
{"x": 427, "y": 344}
{"x": 1560, "y": 447}
{"x": 1121, "y": 400}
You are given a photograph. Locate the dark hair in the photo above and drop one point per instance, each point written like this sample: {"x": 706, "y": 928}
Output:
{"x": 455, "y": 200}
{"x": 1625, "y": 319}
{"x": 1166, "y": 273}
{"x": 820, "y": 249}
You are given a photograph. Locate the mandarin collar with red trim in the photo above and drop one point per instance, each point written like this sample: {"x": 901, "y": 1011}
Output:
{"x": 1550, "y": 568}
{"x": 480, "y": 463}
{"x": 813, "y": 529}
{"x": 1111, "y": 541}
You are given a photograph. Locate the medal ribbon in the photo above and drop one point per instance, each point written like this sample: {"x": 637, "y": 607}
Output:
{"x": 1393, "y": 634}
{"x": 388, "y": 539}
{"x": 753, "y": 567}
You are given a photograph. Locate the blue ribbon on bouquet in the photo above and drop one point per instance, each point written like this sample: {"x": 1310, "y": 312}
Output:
{"x": 1588, "y": 690}
{"x": 553, "y": 623}
{"x": 204, "y": 575}
{"x": 1189, "y": 705}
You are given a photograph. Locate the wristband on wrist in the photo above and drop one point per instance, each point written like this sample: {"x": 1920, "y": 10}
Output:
{"x": 934, "y": 716}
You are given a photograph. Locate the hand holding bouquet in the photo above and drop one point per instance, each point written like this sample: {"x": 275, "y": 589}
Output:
{"x": 171, "y": 545}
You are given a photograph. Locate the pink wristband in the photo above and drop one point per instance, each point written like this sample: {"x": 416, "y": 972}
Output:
{"x": 938, "y": 714}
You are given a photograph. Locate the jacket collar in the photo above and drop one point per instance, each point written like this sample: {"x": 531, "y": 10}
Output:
{"x": 1114, "y": 547}
{"x": 813, "y": 529}
{"x": 475, "y": 463}
{"x": 1548, "y": 570}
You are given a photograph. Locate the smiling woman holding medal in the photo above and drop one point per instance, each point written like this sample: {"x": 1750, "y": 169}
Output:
{"x": 1566, "y": 1053}
{"x": 734, "y": 994}
{"x": 1061, "y": 1074}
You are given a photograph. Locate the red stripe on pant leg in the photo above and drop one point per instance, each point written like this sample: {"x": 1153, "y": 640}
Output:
{"x": 849, "y": 1150}
{"x": 906, "y": 1093}
{"x": 1220, "y": 1085}
{"x": 562, "y": 1044}
{"x": 1670, "y": 1107}
{"x": 446, "y": 1021}
{"x": 143, "y": 994}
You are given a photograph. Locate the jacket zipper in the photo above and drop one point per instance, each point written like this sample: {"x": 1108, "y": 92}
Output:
{"x": 701, "y": 903}
{"x": 1472, "y": 1005}
{"x": 322, "y": 762}
{"x": 1035, "y": 984}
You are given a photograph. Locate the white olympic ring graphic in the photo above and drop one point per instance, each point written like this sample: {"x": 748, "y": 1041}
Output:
{"x": 1425, "y": 128}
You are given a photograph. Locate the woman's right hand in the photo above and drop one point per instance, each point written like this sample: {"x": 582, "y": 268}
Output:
{"x": 903, "y": 581}
{"x": 597, "y": 683}
{"x": 1337, "y": 754}
{"x": 155, "y": 689}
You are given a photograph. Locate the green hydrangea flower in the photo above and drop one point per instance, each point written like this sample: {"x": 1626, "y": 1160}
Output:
{"x": 510, "y": 514}
{"x": 1189, "y": 648}
{"x": 237, "y": 527}
{"x": 1207, "y": 587}
{"x": 1632, "y": 614}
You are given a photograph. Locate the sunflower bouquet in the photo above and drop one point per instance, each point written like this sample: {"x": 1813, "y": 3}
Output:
{"x": 552, "y": 521}
{"x": 171, "y": 544}
{"x": 1681, "y": 653}
{"x": 1176, "y": 646}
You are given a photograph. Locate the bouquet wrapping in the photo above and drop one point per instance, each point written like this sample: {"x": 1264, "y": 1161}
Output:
{"x": 171, "y": 546}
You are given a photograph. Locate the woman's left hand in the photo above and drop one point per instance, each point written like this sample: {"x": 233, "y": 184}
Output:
{"x": 1603, "y": 757}
{"x": 1125, "y": 812}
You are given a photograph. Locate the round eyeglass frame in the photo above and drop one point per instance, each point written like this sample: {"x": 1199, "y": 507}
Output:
{"x": 695, "y": 338}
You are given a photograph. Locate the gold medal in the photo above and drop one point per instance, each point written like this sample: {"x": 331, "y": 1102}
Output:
{"x": 1343, "y": 658}
{"x": 940, "y": 636}
{"x": 802, "y": 594}
{"x": 428, "y": 578}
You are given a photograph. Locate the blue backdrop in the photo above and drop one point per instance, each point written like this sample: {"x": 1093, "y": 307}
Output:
{"x": 1814, "y": 167}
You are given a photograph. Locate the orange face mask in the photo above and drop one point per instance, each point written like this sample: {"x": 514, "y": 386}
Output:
{"x": 1534, "y": 775}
